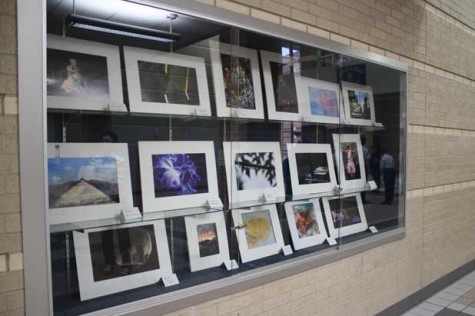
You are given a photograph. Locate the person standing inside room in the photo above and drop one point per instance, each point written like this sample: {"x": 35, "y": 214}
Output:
{"x": 387, "y": 164}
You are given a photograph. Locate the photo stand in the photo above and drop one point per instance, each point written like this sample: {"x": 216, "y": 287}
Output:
{"x": 319, "y": 101}
{"x": 177, "y": 86}
{"x": 87, "y": 182}
{"x": 306, "y": 177}
{"x": 258, "y": 232}
{"x": 285, "y": 90}
{"x": 76, "y": 84}
{"x": 207, "y": 240}
{"x": 93, "y": 282}
{"x": 339, "y": 221}
{"x": 357, "y": 100}
{"x": 163, "y": 188}
{"x": 306, "y": 224}
{"x": 249, "y": 68}
{"x": 349, "y": 162}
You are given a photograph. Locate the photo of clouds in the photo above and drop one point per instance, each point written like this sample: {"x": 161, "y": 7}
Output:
{"x": 82, "y": 181}
{"x": 179, "y": 174}
{"x": 255, "y": 170}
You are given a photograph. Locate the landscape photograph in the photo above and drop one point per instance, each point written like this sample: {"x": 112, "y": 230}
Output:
{"x": 82, "y": 181}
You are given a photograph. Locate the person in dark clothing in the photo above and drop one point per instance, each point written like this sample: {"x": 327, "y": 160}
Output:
{"x": 387, "y": 164}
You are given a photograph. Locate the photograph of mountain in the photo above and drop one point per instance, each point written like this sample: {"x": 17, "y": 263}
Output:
{"x": 82, "y": 181}
{"x": 208, "y": 239}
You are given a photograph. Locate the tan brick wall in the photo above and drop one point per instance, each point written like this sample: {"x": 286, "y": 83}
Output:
{"x": 11, "y": 257}
{"x": 437, "y": 39}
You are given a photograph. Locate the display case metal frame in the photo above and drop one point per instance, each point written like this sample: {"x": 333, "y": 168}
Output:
{"x": 32, "y": 129}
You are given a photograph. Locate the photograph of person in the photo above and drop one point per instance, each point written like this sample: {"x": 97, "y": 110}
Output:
{"x": 76, "y": 75}
{"x": 350, "y": 160}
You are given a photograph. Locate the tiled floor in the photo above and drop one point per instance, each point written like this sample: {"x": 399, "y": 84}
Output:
{"x": 457, "y": 299}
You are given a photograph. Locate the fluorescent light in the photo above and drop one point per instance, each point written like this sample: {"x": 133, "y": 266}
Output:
{"x": 120, "y": 29}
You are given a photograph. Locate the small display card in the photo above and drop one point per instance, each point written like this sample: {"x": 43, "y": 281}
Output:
{"x": 287, "y": 250}
{"x": 235, "y": 113}
{"x": 331, "y": 241}
{"x": 378, "y": 125}
{"x": 201, "y": 112}
{"x": 268, "y": 197}
{"x": 372, "y": 185}
{"x": 215, "y": 203}
{"x": 231, "y": 264}
{"x": 170, "y": 280}
{"x": 306, "y": 118}
{"x": 130, "y": 214}
{"x": 116, "y": 107}
{"x": 373, "y": 229}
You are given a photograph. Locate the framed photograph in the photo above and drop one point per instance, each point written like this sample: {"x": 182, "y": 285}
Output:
{"x": 319, "y": 101}
{"x": 118, "y": 258}
{"x": 237, "y": 83}
{"x": 166, "y": 83}
{"x": 305, "y": 223}
{"x": 344, "y": 214}
{"x": 87, "y": 181}
{"x": 359, "y": 104}
{"x": 252, "y": 170}
{"x": 349, "y": 161}
{"x": 177, "y": 175}
{"x": 207, "y": 240}
{"x": 260, "y": 234}
{"x": 281, "y": 86}
{"x": 83, "y": 75}
{"x": 311, "y": 168}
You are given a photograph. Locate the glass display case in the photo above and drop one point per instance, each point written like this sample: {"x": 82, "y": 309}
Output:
{"x": 183, "y": 152}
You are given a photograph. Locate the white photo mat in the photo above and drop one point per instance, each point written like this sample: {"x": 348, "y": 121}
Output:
{"x": 112, "y": 55}
{"x": 250, "y": 254}
{"x": 299, "y": 189}
{"x": 132, "y": 57}
{"x": 216, "y": 49}
{"x": 336, "y": 232}
{"x": 231, "y": 150}
{"x": 346, "y": 86}
{"x": 304, "y": 85}
{"x": 266, "y": 59}
{"x": 306, "y": 241}
{"x": 355, "y": 184}
{"x": 89, "y": 289}
{"x": 153, "y": 204}
{"x": 196, "y": 261}
{"x": 72, "y": 214}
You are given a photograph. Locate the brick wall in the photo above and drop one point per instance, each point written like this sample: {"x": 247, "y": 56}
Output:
{"x": 11, "y": 257}
{"x": 437, "y": 39}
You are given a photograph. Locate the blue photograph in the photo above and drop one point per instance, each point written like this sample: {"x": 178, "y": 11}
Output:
{"x": 179, "y": 174}
{"x": 82, "y": 181}
{"x": 323, "y": 102}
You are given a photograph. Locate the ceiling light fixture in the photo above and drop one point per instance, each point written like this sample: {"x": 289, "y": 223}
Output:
{"x": 104, "y": 26}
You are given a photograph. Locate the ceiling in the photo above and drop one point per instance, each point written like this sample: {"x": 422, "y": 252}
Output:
{"x": 191, "y": 29}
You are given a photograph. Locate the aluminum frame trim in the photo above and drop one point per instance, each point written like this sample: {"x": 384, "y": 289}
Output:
{"x": 175, "y": 301}
{"x": 32, "y": 138}
{"x": 249, "y": 23}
